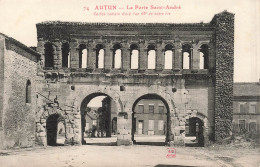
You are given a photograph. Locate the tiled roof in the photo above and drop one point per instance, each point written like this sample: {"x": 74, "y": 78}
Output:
{"x": 247, "y": 89}
{"x": 92, "y": 115}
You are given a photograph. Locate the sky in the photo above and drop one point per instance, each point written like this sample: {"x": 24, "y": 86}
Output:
{"x": 19, "y": 17}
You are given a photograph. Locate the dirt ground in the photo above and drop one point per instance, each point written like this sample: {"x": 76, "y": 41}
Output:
{"x": 136, "y": 155}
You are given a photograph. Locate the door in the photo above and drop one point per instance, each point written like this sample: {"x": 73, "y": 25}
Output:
{"x": 140, "y": 127}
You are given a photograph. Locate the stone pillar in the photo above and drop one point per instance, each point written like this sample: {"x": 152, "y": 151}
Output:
{"x": 211, "y": 56}
{"x": 108, "y": 56}
{"x": 224, "y": 25}
{"x": 74, "y": 54}
{"x": 159, "y": 57}
{"x": 90, "y": 56}
{"x": 191, "y": 58}
{"x": 195, "y": 57}
{"x": 143, "y": 57}
{"x": 40, "y": 49}
{"x": 177, "y": 56}
{"x": 124, "y": 127}
{"x": 41, "y": 133}
{"x": 58, "y": 56}
{"x": 126, "y": 58}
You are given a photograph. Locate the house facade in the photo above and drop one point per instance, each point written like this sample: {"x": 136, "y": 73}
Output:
{"x": 246, "y": 105}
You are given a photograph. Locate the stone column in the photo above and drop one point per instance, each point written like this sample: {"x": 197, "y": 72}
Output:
{"x": 58, "y": 56}
{"x": 126, "y": 58}
{"x": 211, "y": 57}
{"x": 91, "y": 54}
{"x": 177, "y": 56}
{"x": 124, "y": 127}
{"x": 108, "y": 56}
{"x": 40, "y": 49}
{"x": 143, "y": 57}
{"x": 74, "y": 54}
{"x": 159, "y": 57}
{"x": 195, "y": 57}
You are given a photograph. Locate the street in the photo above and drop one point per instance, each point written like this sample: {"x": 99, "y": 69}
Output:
{"x": 135, "y": 155}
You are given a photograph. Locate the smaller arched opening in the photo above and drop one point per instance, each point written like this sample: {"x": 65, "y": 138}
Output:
{"x": 150, "y": 120}
{"x": 168, "y": 61}
{"x": 204, "y": 56}
{"x": 49, "y": 51}
{"x": 151, "y": 57}
{"x": 98, "y": 119}
{"x": 83, "y": 56}
{"x": 186, "y": 56}
{"x": 117, "y": 56}
{"x": 194, "y": 132}
{"x": 134, "y": 53}
{"x": 65, "y": 54}
{"x": 100, "y": 56}
{"x": 28, "y": 92}
{"x": 55, "y": 127}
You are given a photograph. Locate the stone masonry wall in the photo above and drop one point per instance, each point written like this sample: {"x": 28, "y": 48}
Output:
{"x": 18, "y": 116}
{"x": 2, "y": 52}
{"x": 224, "y": 40}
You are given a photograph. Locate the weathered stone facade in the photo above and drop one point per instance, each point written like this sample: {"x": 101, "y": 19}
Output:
{"x": 17, "y": 111}
{"x": 61, "y": 80}
{"x": 194, "y": 92}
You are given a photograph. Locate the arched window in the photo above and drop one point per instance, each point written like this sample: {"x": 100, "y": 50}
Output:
{"x": 65, "y": 54}
{"x": 186, "y": 56}
{"x": 100, "y": 56}
{"x": 49, "y": 53}
{"x": 168, "y": 61}
{"x": 151, "y": 56}
{"x": 134, "y": 53}
{"x": 117, "y": 56}
{"x": 83, "y": 56}
{"x": 28, "y": 92}
{"x": 204, "y": 56}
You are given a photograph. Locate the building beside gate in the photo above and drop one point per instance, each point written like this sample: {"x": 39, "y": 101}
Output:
{"x": 18, "y": 80}
{"x": 246, "y": 105}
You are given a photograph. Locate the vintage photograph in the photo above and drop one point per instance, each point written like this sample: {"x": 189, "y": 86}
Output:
{"x": 158, "y": 83}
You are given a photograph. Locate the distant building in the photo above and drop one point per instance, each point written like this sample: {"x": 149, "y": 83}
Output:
{"x": 246, "y": 105}
{"x": 150, "y": 117}
{"x": 91, "y": 121}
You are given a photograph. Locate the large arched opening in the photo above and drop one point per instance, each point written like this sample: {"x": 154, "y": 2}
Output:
{"x": 98, "y": 119}
{"x": 150, "y": 120}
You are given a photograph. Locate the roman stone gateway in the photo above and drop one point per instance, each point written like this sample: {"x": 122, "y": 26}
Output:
{"x": 189, "y": 67}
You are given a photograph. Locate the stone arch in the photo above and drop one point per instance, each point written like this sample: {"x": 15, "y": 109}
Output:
{"x": 151, "y": 56}
{"x": 204, "y": 56}
{"x": 107, "y": 91}
{"x": 168, "y": 56}
{"x": 167, "y": 99}
{"x": 49, "y": 52}
{"x": 85, "y": 99}
{"x": 203, "y": 118}
{"x": 186, "y": 56}
{"x": 134, "y": 56}
{"x": 117, "y": 56}
{"x": 47, "y": 111}
{"x": 160, "y": 91}
{"x": 100, "y": 55}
